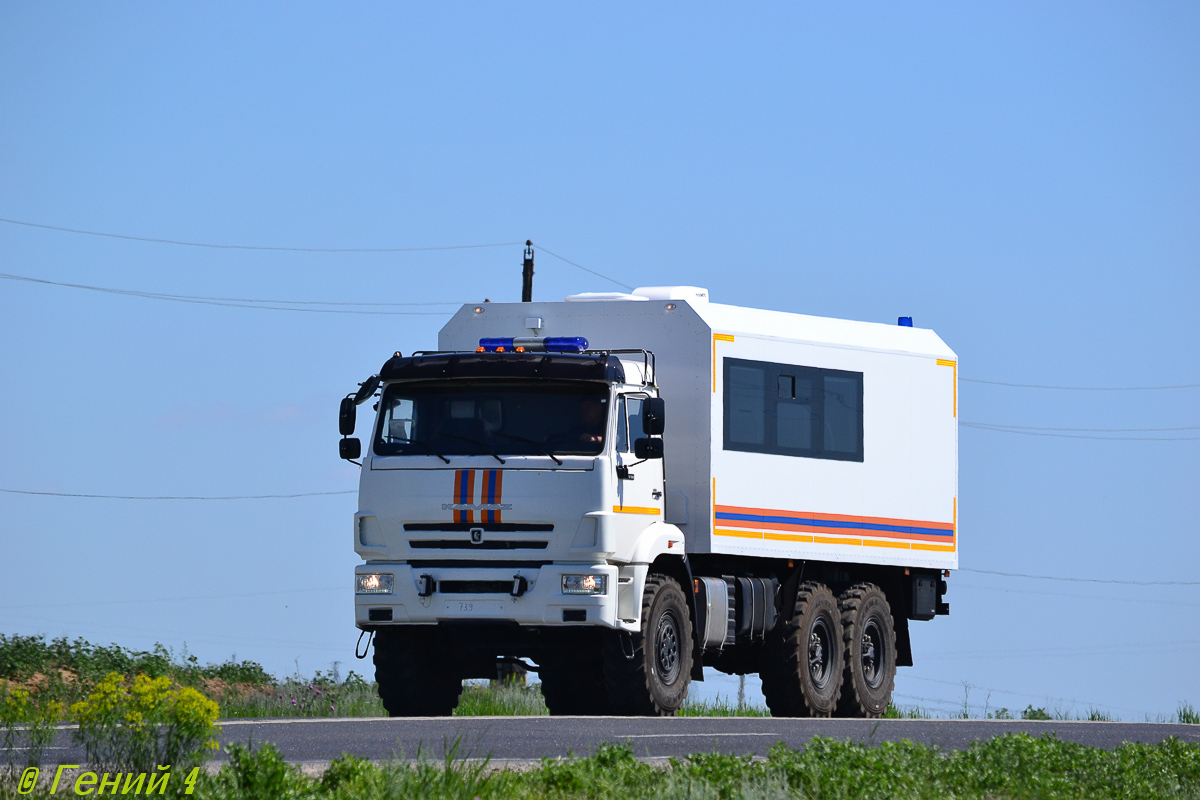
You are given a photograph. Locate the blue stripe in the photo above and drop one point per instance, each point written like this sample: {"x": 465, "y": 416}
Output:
{"x": 491, "y": 515}
{"x": 829, "y": 523}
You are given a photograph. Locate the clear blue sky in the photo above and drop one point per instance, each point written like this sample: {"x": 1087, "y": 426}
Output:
{"x": 1022, "y": 178}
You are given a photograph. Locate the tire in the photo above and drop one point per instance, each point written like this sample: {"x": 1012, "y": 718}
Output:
{"x": 647, "y": 673}
{"x": 413, "y": 676}
{"x": 869, "y": 672}
{"x": 802, "y": 671}
{"x": 572, "y": 676}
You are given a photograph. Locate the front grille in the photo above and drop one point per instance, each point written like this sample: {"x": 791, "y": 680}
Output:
{"x": 463, "y": 544}
{"x": 489, "y": 527}
{"x": 475, "y": 587}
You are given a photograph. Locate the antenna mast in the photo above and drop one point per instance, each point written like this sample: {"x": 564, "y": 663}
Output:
{"x": 527, "y": 274}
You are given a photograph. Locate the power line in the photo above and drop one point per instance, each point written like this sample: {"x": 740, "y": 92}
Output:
{"x": 216, "y": 246}
{"x": 178, "y": 497}
{"x": 1084, "y": 388}
{"x": 191, "y": 598}
{"x": 291, "y": 305}
{"x": 1086, "y": 430}
{"x": 585, "y": 269}
{"x": 1020, "y": 694}
{"x": 1079, "y": 580}
{"x": 1027, "y": 432}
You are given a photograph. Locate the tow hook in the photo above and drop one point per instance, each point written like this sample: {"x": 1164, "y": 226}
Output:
{"x": 627, "y": 646}
{"x": 425, "y": 586}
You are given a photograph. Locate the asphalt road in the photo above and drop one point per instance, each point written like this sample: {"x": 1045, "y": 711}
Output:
{"x": 524, "y": 739}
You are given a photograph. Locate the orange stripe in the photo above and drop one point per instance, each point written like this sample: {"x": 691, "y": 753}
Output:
{"x": 944, "y": 362}
{"x": 784, "y": 537}
{"x": 458, "y": 475}
{"x": 718, "y": 337}
{"x": 784, "y": 526}
{"x": 945, "y": 526}
{"x": 897, "y": 545}
{"x": 470, "y": 515}
{"x": 947, "y": 549}
{"x": 836, "y": 540}
{"x": 739, "y": 534}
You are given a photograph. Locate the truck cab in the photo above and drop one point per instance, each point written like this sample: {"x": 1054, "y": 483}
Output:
{"x": 512, "y": 499}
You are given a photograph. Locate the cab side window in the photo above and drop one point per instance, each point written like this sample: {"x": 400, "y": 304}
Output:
{"x": 634, "y": 405}
{"x": 622, "y": 428}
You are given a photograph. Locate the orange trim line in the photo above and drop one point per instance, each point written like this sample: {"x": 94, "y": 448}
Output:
{"x": 946, "y": 526}
{"x": 945, "y": 362}
{"x": 781, "y": 526}
{"x": 718, "y": 337}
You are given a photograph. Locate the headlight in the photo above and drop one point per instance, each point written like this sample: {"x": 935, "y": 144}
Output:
{"x": 585, "y": 584}
{"x": 374, "y": 584}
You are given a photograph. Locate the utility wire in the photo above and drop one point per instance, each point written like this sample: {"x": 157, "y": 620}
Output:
{"x": 216, "y": 246}
{"x": 582, "y": 267}
{"x": 1020, "y": 694}
{"x": 1086, "y": 430}
{"x": 190, "y": 598}
{"x": 179, "y": 497}
{"x": 1079, "y": 580}
{"x": 1048, "y": 432}
{"x": 1084, "y": 388}
{"x": 292, "y": 305}
{"x": 1022, "y": 431}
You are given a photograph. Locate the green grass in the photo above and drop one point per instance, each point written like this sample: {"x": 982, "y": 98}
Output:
{"x": 1010, "y": 766}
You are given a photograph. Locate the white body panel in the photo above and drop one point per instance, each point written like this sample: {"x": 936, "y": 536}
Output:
{"x": 898, "y": 506}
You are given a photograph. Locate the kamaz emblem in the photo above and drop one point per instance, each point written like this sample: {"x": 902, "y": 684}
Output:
{"x": 476, "y": 535}
{"x": 491, "y": 490}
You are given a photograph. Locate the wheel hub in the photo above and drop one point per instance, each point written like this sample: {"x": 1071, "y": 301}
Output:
{"x": 871, "y": 653}
{"x": 666, "y": 648}
{"x": 819, "y": 653}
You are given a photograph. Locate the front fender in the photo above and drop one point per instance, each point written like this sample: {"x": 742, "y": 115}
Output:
{"x": 659, "y": 538}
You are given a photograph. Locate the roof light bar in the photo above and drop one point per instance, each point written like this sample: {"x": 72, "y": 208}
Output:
{"x": 534, "y": 344}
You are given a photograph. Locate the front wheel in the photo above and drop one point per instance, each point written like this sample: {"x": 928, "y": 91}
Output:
{"x": 414, "y": 674}
{"x": 647, "y": 673}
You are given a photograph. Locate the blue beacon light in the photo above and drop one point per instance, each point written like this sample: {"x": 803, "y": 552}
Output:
{"x": 531, "y": 344}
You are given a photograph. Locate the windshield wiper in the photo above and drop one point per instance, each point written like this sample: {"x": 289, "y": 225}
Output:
{"x": 420, "y": 444}
{"x": 489, "y": 450}
{"x": 540, "y": 447}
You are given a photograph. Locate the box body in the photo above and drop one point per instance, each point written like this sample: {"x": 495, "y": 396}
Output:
{"x": 761, "y": 450}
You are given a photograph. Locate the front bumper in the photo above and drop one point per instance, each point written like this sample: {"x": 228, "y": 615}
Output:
{"x": 542, "y": 603}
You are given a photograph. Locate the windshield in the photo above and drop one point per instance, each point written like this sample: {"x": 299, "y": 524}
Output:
{"x": 492, "y": 416}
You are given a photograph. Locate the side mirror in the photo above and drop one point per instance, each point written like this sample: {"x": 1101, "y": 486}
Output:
{"x": 654, "y": 417}
{"x": 349, "y": 448}
{"x": 366, "y": 390}
{"x": 648, "y": 448}
{"x": 346, "y": 416}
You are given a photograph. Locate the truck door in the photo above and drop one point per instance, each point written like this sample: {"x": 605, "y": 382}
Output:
{"x": 639, "y": 486}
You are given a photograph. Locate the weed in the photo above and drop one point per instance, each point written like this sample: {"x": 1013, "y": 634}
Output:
{"x": 34, "y": 718}
{"x": 1187, "y": 715}
{"x": 1035, "y": 713}
{"x": 501, "y": 698}
{"x": 141, "y": 723}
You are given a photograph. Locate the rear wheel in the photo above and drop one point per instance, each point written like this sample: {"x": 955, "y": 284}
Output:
{"x": 869, "y": 673}
{"x": 647, "y": 673}
{"x": 413, "y": 675}
{"x": 802, "y": 670}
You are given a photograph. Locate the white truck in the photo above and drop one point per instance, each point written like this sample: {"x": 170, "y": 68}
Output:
{"x": 624, "y": 488}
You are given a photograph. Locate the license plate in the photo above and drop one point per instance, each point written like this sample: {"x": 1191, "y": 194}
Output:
{"x": 472, "y": 608}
